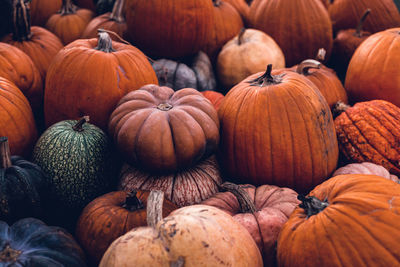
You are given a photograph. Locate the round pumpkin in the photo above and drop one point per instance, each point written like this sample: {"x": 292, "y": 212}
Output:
{"x": 183, "y": 188}
{"x": 375, "y": 75}
{"x": 214, "y": 97}
{"x": 349, "y": 220}
{"x": 277, "y": 130}
{"x": 261, "y": 210}
{"x": 30, "y": 242}
{"x": 246, "y": 54}
{"x": 292, "y": 25}
{"x": 162, "y": 131}
{"x": 110, "y": 216}
{"x": 243, "y": 7}
{"x": 169, "y": 28}
{"x": 70, "y": 22}
{"x": 16, "y": 119}
{"x": 42, "y": 10}
{"x": 99, "y": 73}
{"x": 366, "y": 168}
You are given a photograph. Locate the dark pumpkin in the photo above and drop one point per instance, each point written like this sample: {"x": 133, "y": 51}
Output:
{"x": 42, "y": 10}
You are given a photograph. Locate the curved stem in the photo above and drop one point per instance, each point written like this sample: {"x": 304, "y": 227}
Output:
{"x": 104, "y": 43}
{"x": 22, "y": 21}
{"x": 240, "y": 36}
{"x": 116, "y": 14}
{"x": 321, "y": 54}
{"x": 78, "y": 126}
{"x": 339, "y": 108}
{"x": 245, "y": 202}
{"x": 154, "y": 207}
{"x": 361, "y": 23}
{"x": 164, "y": 106}
{"x": 5, "y": 153}
{"x": 312, "y": 205}
{"x": 266, "y": 78}
{"x": 305, "y": 66}
{"x": 132, "y": 203}
{"x": 67, "y": 8}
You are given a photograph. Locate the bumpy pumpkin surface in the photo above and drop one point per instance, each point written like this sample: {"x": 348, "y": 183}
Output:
{"x": 349, "y": 220}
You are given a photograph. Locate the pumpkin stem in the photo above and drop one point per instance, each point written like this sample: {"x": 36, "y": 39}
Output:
{"x": 266, "y": 78}
{"x": 305, "y": 66}
{"x": 361, "y": 23}
{"x": 9, "y": 254}
{"x": 164, "y": 106}
{"x": 5, "y": 153}
{"x": 116, "y": 14}
{"x": 104, "y": 42}
{"x": 339, "y": 108}
{"x": 22, "y": 21}
{"x": 312, "y": 205}
{"x": 240, "y": 36}
{"x": 217, "y": 3}
{"x": 321, "y": 54}
{"x": 132, "y": 203}
{"x": 245, "y": 202}
{"x": 154, "y": 207}
{"x": 67, "y": 8}
{"x": 78, "y": 126}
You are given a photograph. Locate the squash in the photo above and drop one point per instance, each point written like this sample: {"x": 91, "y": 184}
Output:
{"x": 42, "y": 10}
{"x": 243, "y": 7}
{"x": 366, "y": 168}
{"x": 214, "y": 97}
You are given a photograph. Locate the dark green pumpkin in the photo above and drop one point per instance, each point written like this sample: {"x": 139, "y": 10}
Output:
{"x": 22, "y": 185}
{"x": 78, "y": 161}
{"x": 30, "y": 242}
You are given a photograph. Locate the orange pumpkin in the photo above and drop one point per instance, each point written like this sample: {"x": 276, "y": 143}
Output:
{"x": 215, "y": 98}
{"x": 243, "y": 7}
{"x": 42, "y": 10}
{"x": 99, "y": 73}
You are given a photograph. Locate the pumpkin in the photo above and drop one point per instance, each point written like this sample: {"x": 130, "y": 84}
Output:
{"x": 42, "y": 10}
{"x": 261, "y": 210}
{"x": 169, "y": 28}
{"x": 369, "y": 131}
{"x": 99, "y": 73}
{"x": 22, "y": 185}
{"x": 109, "y": 216}
{"x": 326, "y": 3}
{"x": 366, "y": 168}
{"x": 277, "y": 130}
{"x": 77, "y": 158}
{"x": 70, "y": 22}
{"x": 30, "y": 242}
{"x": 246, "y": 54}
{"x": 290, "y": 24}
{"x": 197, "y": 235}
{"x": 17, "y": 67}
{"x": 373, "y": 75}
{"x": 339, "y": 216}
{"x": 214, "y": 97}
{"x": 243, "y": 7}
{"x": 345, "y": 14}
{"x": 112, "y": 21}
{"x": 183, "y": 188}
{"x": 38, "y": 43}
{"x": 178, "y": 75}
{"x": 160, "y": 130}
{"x": 16, "y": 119}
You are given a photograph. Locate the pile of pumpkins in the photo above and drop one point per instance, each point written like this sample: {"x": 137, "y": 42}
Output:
{"x": 199, "y": 133}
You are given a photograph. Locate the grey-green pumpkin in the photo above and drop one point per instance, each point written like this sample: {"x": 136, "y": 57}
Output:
{"x": 78, "y": 160}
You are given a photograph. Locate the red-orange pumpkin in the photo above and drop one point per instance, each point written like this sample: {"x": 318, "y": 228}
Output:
{"x": 215, "y": 98}
{"x": 243, "y": 7}
{"x": 42, "y": 10}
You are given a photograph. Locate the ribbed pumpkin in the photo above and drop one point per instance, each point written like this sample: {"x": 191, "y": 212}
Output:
{"x": 299, "y": 27}
{"x": 183, "y": 188}
{"x": 30, "y": 242}
{"x": 16, "y": 119}
{"x": 17, "y": 67}
{"x": 277, "y": 130}
{"x": 369, "y": 131}
{"x": 22, "y": 186}
{"x": 162, "y": 131}
{"x": 169, "y": 28}
{"x": 345, "y": 14}
{"x": 375, "y": 75}
{"x": 349, "y": 220}
{"x": 42, "y": 10}
{"x": 110, "y": 216}
{"x": 261, "y": 210}
{"x": 99, "y": 73}
{"x": 214, "y": 97}
{"x": 366, "y": 168}
{"x": 70, "y": 22}
{"x": 38, "y": 43}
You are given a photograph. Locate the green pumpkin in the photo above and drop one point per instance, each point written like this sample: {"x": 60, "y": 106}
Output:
{"x": 78, "y": 160}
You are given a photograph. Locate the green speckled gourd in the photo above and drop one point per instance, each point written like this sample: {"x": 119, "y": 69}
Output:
{"x": 77, "y": 158}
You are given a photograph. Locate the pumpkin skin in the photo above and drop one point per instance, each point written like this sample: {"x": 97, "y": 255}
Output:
{"x": 214, "y": 97}
{"x": 42, "y": 10}
{"x": 277, "y": 130}
{"x": 273, "y": 206}
{"x": 152, "y": 26}
{"x": 289, "y": 23}
{"x": 361, "y": 209}
{"x": 369, "y": 131}
{"x": 242, "y": 7}
{"x": 197, "y": 235}
{"x": 70, "y": 22}
{"x": 110, "y": 216}
{"x": 362, "y": 82}
{"x": 248, "y": 53}
{"x": 366, "y": 168}
{"x": 30, "y": 242}
{"x": 183, "y": 188}
{"x": 163, "y": 131}
{"x": 95, "y": 80}
{"x": 16, "y": 119}
{"x": 17, "y": 67}
{"x": 345, "y": 14}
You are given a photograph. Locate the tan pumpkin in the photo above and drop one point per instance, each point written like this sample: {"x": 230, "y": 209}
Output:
{"x": 366, "y": 168}
{"x": 42, "y": 10}
{"x": 248, "y": 53}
